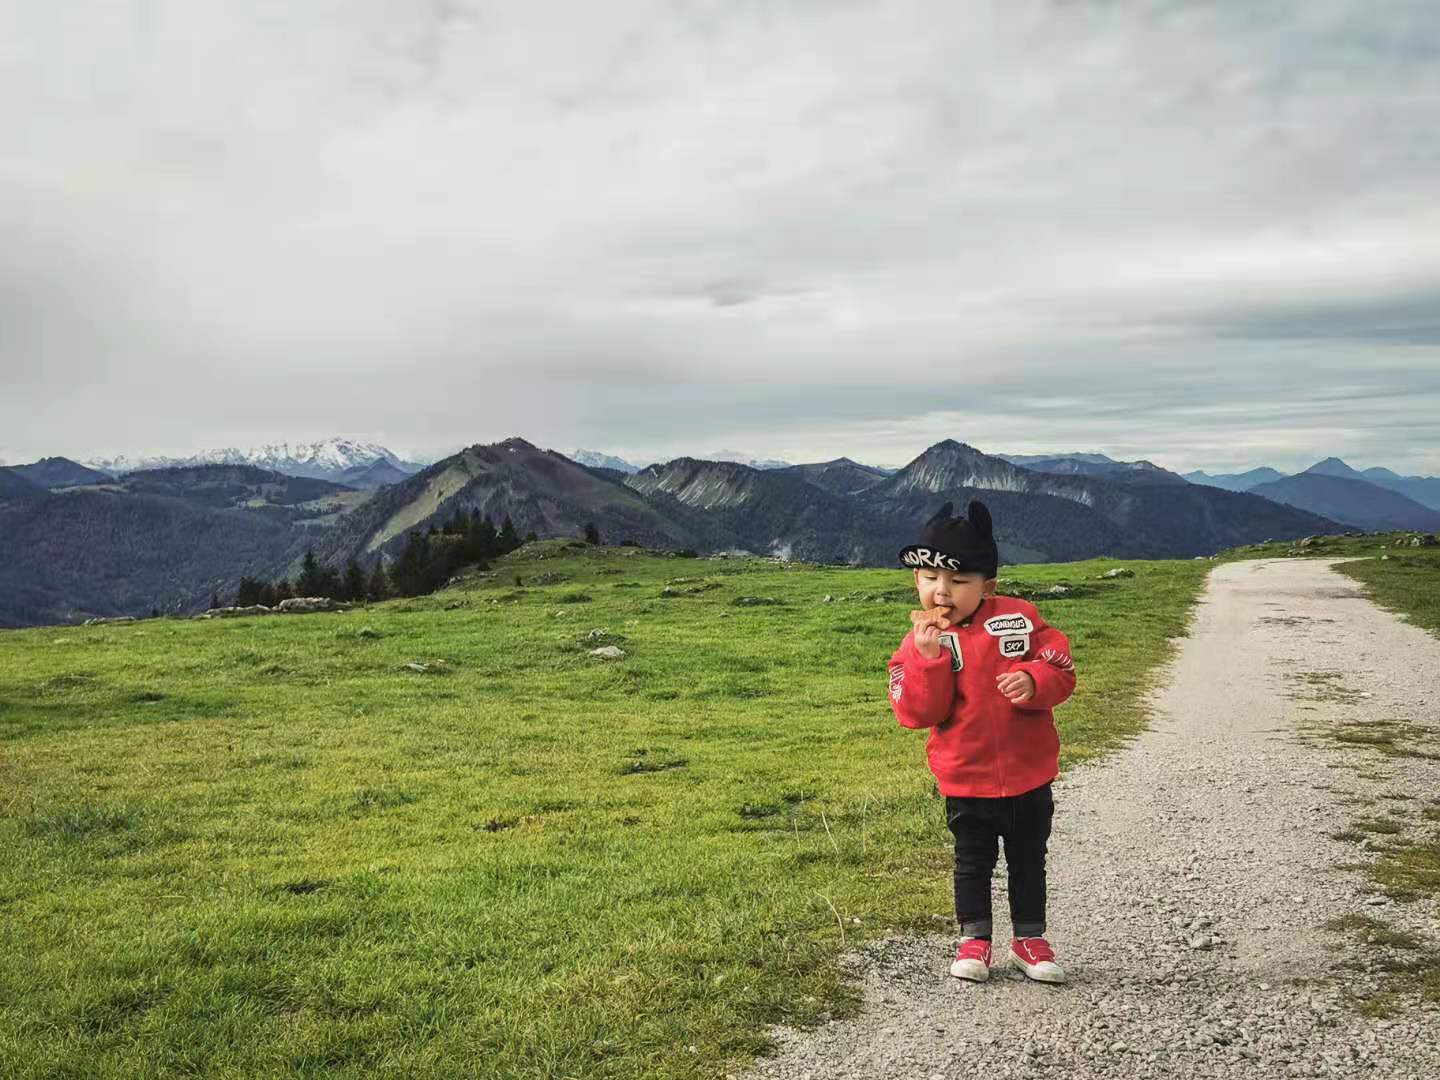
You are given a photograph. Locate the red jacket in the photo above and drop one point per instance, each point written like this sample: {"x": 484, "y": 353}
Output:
{"x": 980, "y": 744}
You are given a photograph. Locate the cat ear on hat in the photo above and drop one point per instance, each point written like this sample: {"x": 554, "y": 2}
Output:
{"x": 978, "y": 515}
{"x": 943, "y": 514}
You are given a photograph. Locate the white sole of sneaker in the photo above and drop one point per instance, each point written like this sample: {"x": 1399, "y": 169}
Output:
{"x": 970, "y": 970}
{"x": 1042, "y": 973}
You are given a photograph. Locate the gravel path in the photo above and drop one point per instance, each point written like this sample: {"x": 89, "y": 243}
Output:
{"x": 1192, "y": 872}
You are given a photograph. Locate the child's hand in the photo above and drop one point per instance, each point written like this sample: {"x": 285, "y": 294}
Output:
{"x": 1018, "y": 686}
{"x": 927, "y": 641}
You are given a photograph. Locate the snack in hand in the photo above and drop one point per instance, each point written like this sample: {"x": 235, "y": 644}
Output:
{"x": 936, "y": 616}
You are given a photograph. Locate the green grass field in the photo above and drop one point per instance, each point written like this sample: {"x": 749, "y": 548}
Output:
{"x": 265, "y": 847}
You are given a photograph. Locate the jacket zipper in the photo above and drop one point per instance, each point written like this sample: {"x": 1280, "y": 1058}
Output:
{"x": 994, "y": 728}
{"x": 978, "y": 618}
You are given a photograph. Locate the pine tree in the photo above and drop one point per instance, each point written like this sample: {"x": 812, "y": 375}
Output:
{"x": 444, "y": 558}
{"x": 250, "y": 592}
{"x": 488, "y": 543}
{"x": 330, "y": 583}
{"x": 412, "y": 570}
{"x": 310, "y": 581}
{"x": 470, "y": 542}
{"x": 379, "y": 585}
{"x": 507, "y": 541}
{"x": 353, "y": 586}
{"x": 214, "y": 600}
{"x": 592, "y": 534}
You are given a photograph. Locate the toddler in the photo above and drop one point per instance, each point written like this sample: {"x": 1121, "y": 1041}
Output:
{"x": 982, "y": 673}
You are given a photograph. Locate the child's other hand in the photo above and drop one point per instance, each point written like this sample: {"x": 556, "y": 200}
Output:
{"x": 1018, "y": 686}
{"x": 927, "y": 641}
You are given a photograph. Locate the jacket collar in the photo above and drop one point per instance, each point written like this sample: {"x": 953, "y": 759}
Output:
{"x": 976, "y": 613}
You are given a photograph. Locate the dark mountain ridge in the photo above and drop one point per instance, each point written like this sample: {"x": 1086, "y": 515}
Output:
{"x": 839, "y": 477}
{"x": 1137, "y": 472}
{"x": 1235, "y": 481}
{"x": 1424, "y": 490}
{"x": 58, "y": 472}
{"x": 539, "y": 490}
{"x": 726, "y": 505}
{"x": 706, "y": 505}
{"x": 227, "y": 485}
{"x": 1353, "y": 502}
{"x": 378, "y": 474}
{"x": 13, "y": 485}
{"x": 1135, "y": 520}
{"x": 84, "y": 552}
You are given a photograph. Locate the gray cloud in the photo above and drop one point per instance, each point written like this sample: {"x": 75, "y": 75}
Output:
{"x": 1201, "y": 233}
{"x": 1396, "y": 317}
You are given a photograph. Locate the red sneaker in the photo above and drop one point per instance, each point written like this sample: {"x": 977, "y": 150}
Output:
{"x": 1035, "y": 957}
{"x": 972, "y": 960}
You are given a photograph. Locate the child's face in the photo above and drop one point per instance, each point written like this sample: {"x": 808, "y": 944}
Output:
{"x": 946, "y": 588}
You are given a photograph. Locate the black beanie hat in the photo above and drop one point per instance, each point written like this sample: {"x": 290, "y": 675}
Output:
{"x": 965, "y": 545}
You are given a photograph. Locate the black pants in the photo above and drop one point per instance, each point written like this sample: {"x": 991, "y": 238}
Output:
{"x": 978, "y": 825}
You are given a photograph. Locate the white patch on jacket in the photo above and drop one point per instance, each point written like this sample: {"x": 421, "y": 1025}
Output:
{"x": 950, "y": 641}
{"x": 1007, "y": 625}
{"x": 1013, "y": 648}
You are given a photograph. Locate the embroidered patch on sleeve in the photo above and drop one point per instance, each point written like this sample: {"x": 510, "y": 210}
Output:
{"x": 897, "y": 677}
{"x": 1058, "y": 658}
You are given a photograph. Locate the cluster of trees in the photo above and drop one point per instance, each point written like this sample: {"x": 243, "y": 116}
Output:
{"x": 351, "y": 584}
{"x": 430, "y": 558}
{"x": 466, "y": 539}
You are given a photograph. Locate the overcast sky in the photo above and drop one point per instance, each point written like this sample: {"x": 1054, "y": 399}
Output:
{"x": 1203, "y": 233}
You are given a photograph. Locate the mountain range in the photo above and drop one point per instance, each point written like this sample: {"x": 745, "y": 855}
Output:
{"x": 836, "y": 511}
{"x": 601, "y": 460}
{"x": 1353, "y": 502}
{"x": 1091, "y": 464}
{"x": 1373, "y": 500}
{"x": 1235, "y": 481}
{"x": 1376, "y": 499}
{"x": 336, "y": 459}
{"x": 1424, "y": 490}
{"x": 370, "y": 466}
{"x": 167, "y": 538}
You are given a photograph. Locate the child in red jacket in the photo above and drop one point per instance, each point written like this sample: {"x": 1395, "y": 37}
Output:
{"x": 982, "y": 673}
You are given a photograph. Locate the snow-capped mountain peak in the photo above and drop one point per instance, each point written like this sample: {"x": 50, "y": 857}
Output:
{"x": 602, "y": 460}
{"x": 323, "y": 460}
{"x": 334, "y": 453}
{"x": 740, "y": 457}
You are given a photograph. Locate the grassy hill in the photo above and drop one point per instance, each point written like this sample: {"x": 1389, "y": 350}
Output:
{"x": 273, "y": 847}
